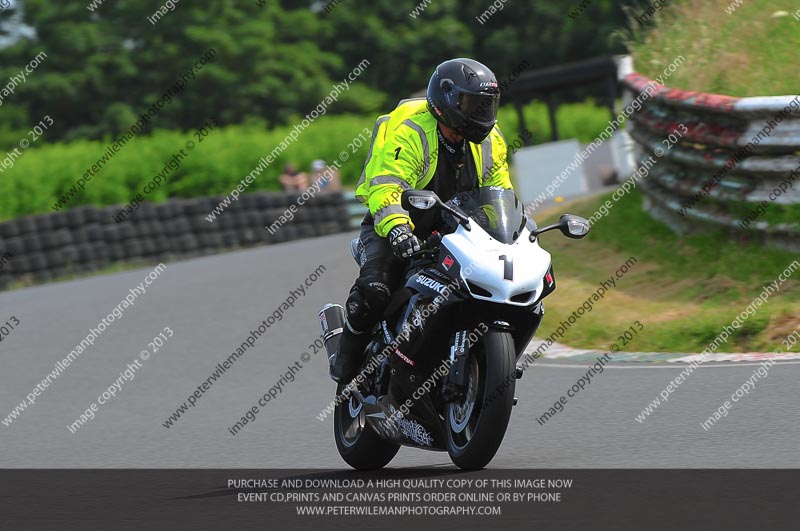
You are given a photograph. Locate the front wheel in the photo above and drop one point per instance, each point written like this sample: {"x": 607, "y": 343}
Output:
{"x": 476, "y": 425}
{"x": 358, "y": 444}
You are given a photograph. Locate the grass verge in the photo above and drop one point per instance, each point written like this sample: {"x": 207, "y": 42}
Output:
{"x": 738, "y": 51}
{"x": 683, "y": 289}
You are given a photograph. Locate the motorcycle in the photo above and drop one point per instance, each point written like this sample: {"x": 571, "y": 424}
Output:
{"x": 441, "y": 369}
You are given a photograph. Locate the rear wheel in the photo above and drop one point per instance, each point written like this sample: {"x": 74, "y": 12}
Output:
{"x": 358, "y": 444}
{"x": 476, "y": 425}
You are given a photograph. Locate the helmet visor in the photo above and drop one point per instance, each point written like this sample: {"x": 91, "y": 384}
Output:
{"x": 479, "y": 107}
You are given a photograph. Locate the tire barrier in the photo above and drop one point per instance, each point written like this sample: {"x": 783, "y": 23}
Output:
{"x": 355, "y": 209}
{"x": 738, "y": 161}
{"x": 47, "y": 246}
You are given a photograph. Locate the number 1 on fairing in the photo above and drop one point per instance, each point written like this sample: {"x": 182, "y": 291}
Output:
{"x": 508, "y": 267}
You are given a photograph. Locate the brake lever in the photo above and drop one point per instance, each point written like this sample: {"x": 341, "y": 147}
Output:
{"x": 428, "y": 247}
{"x": 433, "y": 241}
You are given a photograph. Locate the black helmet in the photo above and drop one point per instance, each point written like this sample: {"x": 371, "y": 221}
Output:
{"x": 463, "y": 95}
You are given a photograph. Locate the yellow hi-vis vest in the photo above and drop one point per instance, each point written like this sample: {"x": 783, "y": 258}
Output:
{"x": 403, "y": 156}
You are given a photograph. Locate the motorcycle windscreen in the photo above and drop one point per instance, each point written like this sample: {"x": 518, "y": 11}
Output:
{"x": 498, "y": 212}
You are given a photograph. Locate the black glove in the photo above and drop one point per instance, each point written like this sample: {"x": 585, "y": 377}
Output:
{"x": 403, "y": 241}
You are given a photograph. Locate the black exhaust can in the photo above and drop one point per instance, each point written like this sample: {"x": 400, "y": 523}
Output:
{"x": 331, "y": 317}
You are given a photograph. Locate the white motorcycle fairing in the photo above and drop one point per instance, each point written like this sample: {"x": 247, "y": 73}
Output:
{"x": 498, "y": 272}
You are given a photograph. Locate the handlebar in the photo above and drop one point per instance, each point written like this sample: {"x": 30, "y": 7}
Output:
{"x": 429, "y": 247}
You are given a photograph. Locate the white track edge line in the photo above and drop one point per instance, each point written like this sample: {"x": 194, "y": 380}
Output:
{"x": 646, "y": 365}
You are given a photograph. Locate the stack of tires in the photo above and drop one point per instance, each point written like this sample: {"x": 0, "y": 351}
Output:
{"x": 43, "y": 247}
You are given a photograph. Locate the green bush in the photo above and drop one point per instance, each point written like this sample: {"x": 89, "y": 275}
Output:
{"x": 583, "y": 121}
{"x": 224, "y": 158}
{"x": 214, "y": 166}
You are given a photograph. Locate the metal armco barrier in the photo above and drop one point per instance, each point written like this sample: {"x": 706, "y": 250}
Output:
{"x": 681, "y": 189}
{"x": 42, "y": 247}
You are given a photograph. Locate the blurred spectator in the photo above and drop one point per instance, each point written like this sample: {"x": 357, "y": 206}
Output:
{"x": 332, "y": 181}
{"x": 293, "y": 180}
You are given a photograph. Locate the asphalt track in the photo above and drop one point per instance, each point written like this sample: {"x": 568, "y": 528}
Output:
{"x": 212, "y": 303}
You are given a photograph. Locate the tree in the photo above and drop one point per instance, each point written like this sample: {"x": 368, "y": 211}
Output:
{"x": 107, "y": 63}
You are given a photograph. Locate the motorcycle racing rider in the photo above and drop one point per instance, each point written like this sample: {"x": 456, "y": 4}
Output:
{"x": 457, "y": 120}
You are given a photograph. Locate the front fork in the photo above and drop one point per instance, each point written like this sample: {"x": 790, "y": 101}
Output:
{"x": 455, "y": 385}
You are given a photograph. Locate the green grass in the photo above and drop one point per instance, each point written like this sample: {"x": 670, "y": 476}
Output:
{"x": 747, "y": 53}
{"x": 684, "y": 289}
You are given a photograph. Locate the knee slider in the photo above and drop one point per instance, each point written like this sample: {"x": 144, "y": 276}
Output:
{"x": 358, "y": 312}
{"x": 375, "y": 292}
{"x": 366, "y": 303}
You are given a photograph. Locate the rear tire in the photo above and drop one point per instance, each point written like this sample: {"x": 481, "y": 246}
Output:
{"x": 358, "y": 444}
{"x": 476, "y": 427}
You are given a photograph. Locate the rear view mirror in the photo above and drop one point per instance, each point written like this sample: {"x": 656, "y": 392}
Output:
{"x": 574, "y": 227}
{"x": 571, "y": 226}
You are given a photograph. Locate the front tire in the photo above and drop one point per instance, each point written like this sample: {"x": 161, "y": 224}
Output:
{"x": 476, "y": 426}
{"x": 358, "y": 444}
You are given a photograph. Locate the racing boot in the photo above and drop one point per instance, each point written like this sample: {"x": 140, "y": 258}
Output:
{"x": 345, "y": 363}
{"x": 345, "y": 346}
